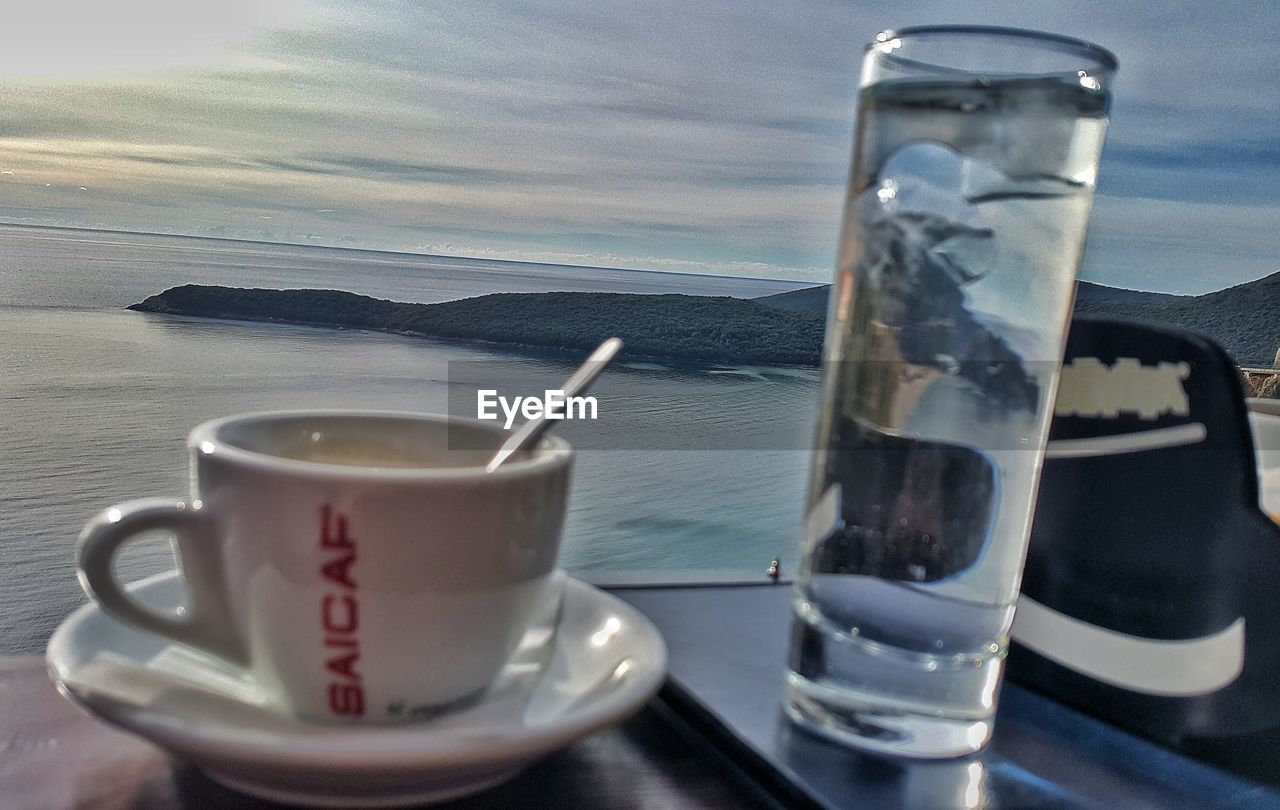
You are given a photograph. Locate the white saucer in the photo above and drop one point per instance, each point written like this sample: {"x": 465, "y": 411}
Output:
{"x": 588, "y": 665}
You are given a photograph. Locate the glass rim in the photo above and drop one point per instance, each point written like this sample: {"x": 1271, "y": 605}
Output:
{"x": 1100, "y": 56}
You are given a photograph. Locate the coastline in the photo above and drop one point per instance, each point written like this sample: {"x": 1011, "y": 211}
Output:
{"x": 682, "y": 330}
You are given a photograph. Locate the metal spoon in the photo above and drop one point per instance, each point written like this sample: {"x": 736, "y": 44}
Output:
{"x": 581, "y": 380}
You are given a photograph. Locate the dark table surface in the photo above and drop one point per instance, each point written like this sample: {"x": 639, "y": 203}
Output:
{"x": 714, "y": 738}
{"x": 728, "y": 648}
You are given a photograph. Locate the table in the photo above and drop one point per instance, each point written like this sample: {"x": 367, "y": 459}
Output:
{"x": 54, "y": 756}
{"x": 713, "y": 738}
{"x": 726, "y": 680}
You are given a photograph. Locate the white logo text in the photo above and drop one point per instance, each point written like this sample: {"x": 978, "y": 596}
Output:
{"x": 553, "y": 403}
{"x": 1090, "y": 388}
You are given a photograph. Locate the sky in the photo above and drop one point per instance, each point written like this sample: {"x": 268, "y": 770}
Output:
{"x": 684, "y": 135}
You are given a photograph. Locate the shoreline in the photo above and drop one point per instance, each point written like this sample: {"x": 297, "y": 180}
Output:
{"x": 520, "y": 349}
{"x": 673, "y": 329}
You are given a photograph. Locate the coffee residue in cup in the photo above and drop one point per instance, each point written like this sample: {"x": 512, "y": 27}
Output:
{"x": 360, "y": 453}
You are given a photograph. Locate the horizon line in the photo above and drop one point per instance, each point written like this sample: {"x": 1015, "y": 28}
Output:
{"x": 7, "y": 223}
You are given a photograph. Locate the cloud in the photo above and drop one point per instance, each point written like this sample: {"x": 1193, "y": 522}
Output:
{"x": 65, "y": 38}
{"x": 1182, "y": 246}
{"x": 661, "y": 134}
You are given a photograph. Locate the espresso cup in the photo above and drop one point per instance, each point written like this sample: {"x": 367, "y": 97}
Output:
{"x": 356, "y": 564}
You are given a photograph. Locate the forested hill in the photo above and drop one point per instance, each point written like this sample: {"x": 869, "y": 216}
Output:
{"x": 680, "y": 328}
{"x": 782, "y": 329}
{"x": 1244, "y": 320}
{"x": 813, "y": 300}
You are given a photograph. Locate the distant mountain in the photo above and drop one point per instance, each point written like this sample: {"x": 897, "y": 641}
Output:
{"x": 783, "y": 329}
{"x": 679, "y": 328}
{"x": 1088, "y": 292}
{"x": 810, "y": 300}
{"x": 813, "y": 300}
{"x": 1245, "y": 319}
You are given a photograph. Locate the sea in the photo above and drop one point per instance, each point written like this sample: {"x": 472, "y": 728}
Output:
{"x": 687, "y": 468}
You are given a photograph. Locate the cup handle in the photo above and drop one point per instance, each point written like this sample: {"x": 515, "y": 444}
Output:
{"x": 206, "y": 623}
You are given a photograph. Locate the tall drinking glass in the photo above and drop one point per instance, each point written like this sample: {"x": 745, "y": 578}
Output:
{"x": 974, "y": 163}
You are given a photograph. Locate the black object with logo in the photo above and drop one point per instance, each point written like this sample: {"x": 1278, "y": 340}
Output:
{"x": 1151, "y": 596}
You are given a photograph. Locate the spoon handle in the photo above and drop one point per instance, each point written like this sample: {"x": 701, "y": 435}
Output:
{"x": 581, "y": 380}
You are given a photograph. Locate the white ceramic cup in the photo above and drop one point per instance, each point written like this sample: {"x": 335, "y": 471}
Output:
{"x": 365, "y": 590}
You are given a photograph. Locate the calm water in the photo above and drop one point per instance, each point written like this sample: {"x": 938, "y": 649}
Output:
{"x": 96, "y": 403}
